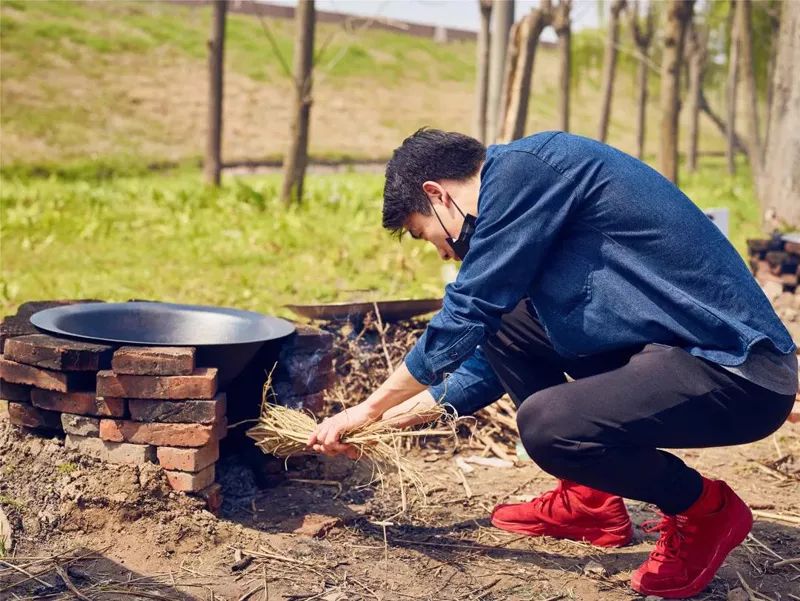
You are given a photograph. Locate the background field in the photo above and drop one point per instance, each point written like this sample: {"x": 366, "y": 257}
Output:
{"x": 95, "y": 92}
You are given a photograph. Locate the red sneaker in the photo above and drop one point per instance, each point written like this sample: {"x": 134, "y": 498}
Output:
{"x": 570, "y": 511}
{"x": 694, "y": 544}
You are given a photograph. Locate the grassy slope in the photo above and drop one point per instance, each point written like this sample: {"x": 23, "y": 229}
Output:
{"x": 124, "y": 83}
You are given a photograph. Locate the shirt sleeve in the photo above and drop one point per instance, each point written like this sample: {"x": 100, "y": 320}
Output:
{"x": 524, "y": 203}
{"x": 471, "y": 387}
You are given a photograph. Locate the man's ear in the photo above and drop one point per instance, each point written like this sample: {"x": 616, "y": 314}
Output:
{"x": 435, "y": 192}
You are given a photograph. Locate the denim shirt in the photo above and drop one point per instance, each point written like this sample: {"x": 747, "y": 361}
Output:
{"x": 472, "y": 386}
{"x": 611, "y": 254}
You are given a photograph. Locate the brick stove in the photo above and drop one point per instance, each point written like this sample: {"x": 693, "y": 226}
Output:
{"x": 136, "y": 404}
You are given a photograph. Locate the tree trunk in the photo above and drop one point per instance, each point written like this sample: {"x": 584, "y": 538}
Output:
{"x": 679, "y": 14}
{"x": 779, "y": 182}
{"x": 697, "y": 59}
{"x": 642, "y": 39}
{"x": 748, "y": 79}
{"x": 212, "y": 166}
{"x": 562, "y": 25}
{"x": 730, "y": 88}
{"x": 520, "y": 74}
{"x": 294, "y": 168}
{"x": 609, "y": 67}
{"x": 774, "y": 19}
{"x": 482, "y": 70}
{"x": 738, "y": 144}
{"x": 502, "y": 20}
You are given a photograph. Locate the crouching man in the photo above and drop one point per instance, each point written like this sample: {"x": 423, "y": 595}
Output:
{"x": 579, "y": 259}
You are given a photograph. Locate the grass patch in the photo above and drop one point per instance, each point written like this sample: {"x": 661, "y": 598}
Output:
{"x": 11, "y": 502}
{"x": 168, "y": 237}
{"x": 66, "y": 468}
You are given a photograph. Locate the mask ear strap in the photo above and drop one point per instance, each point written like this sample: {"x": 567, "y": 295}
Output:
{"x": 457, "y": 207}
{"x": 439, "y": 218}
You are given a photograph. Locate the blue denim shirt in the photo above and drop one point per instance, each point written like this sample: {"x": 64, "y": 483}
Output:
{"x": 472, "y": 386}
{"x": 611, "y": 254}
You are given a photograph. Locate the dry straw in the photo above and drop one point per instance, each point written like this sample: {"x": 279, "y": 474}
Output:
{"x": 284, "y": 432}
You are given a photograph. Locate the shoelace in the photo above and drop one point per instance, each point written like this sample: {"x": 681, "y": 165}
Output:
{"x": 548, "y": 498}
{"x": 675, "y": 530}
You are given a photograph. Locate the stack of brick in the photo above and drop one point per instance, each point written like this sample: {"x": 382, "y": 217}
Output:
{"x": 142, "y": 404}
{"x": 305, "y": 369}
{"x": 775, "y": 263}
{"x": 775, "y": 260}
{"x": 173, "y": 408}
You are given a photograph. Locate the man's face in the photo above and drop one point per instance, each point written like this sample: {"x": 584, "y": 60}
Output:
{"x": 427, "y": 227}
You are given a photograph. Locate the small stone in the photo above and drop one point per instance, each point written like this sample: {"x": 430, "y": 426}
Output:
{"x": 653, "y": 598}
{"x": 316, "y": 525}
{"x": 594, "y": 569}
{"x": 738, "y": 594}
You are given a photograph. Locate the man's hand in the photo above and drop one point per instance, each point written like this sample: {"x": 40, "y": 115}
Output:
{"x": 327, "y": 435}
{"x": 398, "y": 387}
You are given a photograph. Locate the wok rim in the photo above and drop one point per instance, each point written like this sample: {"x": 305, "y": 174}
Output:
{"x": 45, "y": 321}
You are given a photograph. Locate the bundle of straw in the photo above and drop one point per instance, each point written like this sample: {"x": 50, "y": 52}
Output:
{"x": 284, "y": 432}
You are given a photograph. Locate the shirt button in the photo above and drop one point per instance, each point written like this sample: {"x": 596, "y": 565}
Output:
{"x": 453, "y": 355}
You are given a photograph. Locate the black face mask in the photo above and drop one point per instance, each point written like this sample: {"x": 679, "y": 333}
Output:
{"x": 461, "y": 245}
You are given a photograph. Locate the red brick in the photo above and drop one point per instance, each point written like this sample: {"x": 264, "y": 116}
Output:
{"x": 50, "y": 352}
{"x": 82, "y": 403}
{"x": 154, "y": 360}
{"x": 202, "y": 384}
{"x": 15, "y": 392}
{"x": 166, "y": 435}
{"x": 17, "y": 373}
{"x": 212, "y": 495}
{"x": 188, "y": 460}
{"x": 112, "y": 452}
{"x": 191, "y": 412}
{"x": 316, "y": 525}
{"x": 22, "y": 414}
{"x": 187, "y": 482}
{"x": 80, "y": 425}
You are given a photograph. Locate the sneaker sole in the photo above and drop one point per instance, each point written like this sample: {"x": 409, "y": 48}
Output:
{"x": 611, "y": 537}
{"x": 733, "y": 538}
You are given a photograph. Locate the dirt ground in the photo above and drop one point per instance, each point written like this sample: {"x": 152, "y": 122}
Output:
{"x": 112, "y": 532}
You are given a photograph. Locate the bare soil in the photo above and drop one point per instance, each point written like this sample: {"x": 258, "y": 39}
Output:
{"x": 120, "y": 533}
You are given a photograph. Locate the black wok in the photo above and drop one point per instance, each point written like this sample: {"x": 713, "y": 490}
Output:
{"x": 225, "y": 338}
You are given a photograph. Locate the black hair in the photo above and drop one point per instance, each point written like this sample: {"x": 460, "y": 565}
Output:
{"x": 427, "y": 154}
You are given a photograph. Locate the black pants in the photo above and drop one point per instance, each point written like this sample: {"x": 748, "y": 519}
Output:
{"x": 604, "y": 429}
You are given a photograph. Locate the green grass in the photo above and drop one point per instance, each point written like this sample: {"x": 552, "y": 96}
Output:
{"x": 167, "y": 237}
{"x": 67, "y": 468}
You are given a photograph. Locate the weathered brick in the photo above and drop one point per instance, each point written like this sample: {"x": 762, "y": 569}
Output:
{"x": 15, "y": 392}
{"x": 80, "y": 425}
{"x": 60, "y": 354}
{"x": 311, "y": 402}
{"x": 188, "y": 460}
{"x": 221, "y": 429}
{"x": 154, "y": 360}
{"x": 308, "y": 340}
{"x": 212, "y": 495}
{"x": 20, "y": 324}
{"x": 83, "y": 403}
{"x": 304, "y": 384}
{"x": 162, "y": 435}
{"x": 22, "y": 414}
{"x": 188, "y": 482}
{"x": 191, "y": 411}
{"x": 112, "y": 452}
{"x": 301, "y": 364}
{"x": 202, "y": 384}
{"x": 17, "y": 373}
